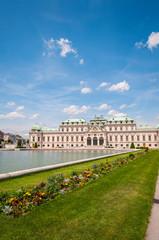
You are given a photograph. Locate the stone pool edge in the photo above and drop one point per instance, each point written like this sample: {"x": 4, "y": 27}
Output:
{"x": 4, "y": 176}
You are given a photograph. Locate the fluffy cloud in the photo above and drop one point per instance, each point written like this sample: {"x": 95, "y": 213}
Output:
{"x": 64, "y": 45}
{"x": 127, "y": 106}
{"x": 82, "y": 82}
{"x": 86, "y": 90}
{"x": 12, "y": 115}
{"x": 120, "y": 87}
{"x": 10, "y": 104}
{"x": 34, "y": 116}
{"x": 116, "y": 113}
{"x": 74, "y": 109}
{"x": 103, "y": 107}
{"x": 81, "y": 61}
{"x": 19, "y": 108}
{"x": 152, "y": 42}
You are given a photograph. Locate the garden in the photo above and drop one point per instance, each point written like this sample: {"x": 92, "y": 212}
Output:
{"x": 109, "y": 199}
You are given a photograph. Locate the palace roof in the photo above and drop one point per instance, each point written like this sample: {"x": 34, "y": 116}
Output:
{"x": 36, "y": 128}
{"x": 119, "y": 119}
{"x": 74, "y": 120}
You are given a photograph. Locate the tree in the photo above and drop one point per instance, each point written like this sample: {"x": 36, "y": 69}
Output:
{"x": 19, "y": 142}
{"x": 0, "y": 141}
{"x": 10, "y": 141}
{"x": 35, "y": 146}
{"x": 27, "y": 141}
{"x": 132, "y": 145}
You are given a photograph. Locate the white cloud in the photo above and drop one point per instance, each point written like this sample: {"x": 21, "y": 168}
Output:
{"x": 139, "y": 44}
{"x": 74, "y": 109}
{"x": 116, "y": 113}
{"x": 3, "y": 80}
{"x": 103, "y": 107}
{"x": 157, "y": 117}
{"x": 122, "y": 106}
{"x": 81, "y": 61}
{"x": 152, "y": 42}
{"x": 138, "y": 117}
{"x": 103, "y": 84}
{"x": 152, "y": 80}
{"x": 64, "y": 45}
{"x": 120, "y": 87}
{"x": 34, "y": 116}
{"x": 10, "y": 104}
{"x": 86, "y": 90}
{"x": 82, "y": 82}
{"x": 12, "y": 115}
{"x": 127, "y": 106}
{"x": 19, "y": 108}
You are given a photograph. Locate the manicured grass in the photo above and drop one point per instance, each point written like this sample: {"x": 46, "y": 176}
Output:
{"x": 31, "y": 180}
{"x": 116, "y": 207}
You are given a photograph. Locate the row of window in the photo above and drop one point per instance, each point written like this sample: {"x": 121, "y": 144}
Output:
{"x": 107, "y": 129}
{"x": 131, "y": 138}
{"x": 62, "y": 139}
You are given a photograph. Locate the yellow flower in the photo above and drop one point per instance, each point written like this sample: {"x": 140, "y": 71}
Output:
{"x": 43, "y": 193}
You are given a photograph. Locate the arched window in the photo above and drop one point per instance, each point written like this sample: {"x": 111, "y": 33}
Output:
{"x": 89, "y": 141}
{"x": 101, "y": 141}
{"x": 95, "y": 141}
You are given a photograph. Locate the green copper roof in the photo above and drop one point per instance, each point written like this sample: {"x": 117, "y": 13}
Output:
{"x": 75, "y": 120}
{"x": 146, "y": 127}
{"x": 118, "y": 119}
{"x": 157, "y": 126}
{"x": 46, "y": 129}
{"x": 36, "y": 128}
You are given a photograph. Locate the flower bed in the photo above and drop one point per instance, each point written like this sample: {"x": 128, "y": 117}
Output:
{"x": 24, "y": 200}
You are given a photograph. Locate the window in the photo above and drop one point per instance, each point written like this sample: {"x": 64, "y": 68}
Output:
{"x": 149, "y": 137}
{"x": 72, "y": 129}
{"x": 110, "y": 138}
{"x": 81, "y": 139}
{"x": 38, "y": 139}
{"x": 77, "y": 129}
{"x": 155, "y": 145}
{"x": 138, "y": 138}
{"x": 44, "y": 139}
{"x": 149, "y": 145}
{"x": 115, "y": 128}
{"x": 57, "y": 139}
{"x": 126, "y": 128}
{"x": 110, "y": 129}
{"x": 72, "y": 138}
{"x": 53, "y": 139}
{"x": 155, "y": 137}
{"x": 48, "y": 145}
{"x": 76, "y": 138}
{"x": 62, "y": 130}
{"x": 132, "y": 138}
{"x": 67, "y": 139}
{"x": 121, "y": 128}
{"x": 138, "y": 145}
{"x": 48, "y": 139}
{"x": 67, "y": 129}
{"x": 143, "y": 138}
{"x": 132, "y": 128}
{"x": 62, "y": 139}
{"x": 33, "y": 139}
{"x": 81, "y": 129}
{"x": 121, "y": 138}
{"x": 127, "y": 138}
{"x": 116, "y": 138}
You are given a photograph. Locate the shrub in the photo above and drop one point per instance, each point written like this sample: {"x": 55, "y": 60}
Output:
{"x": 132, "y": 145}
{"x": 131, "y": 155}
{"x": 35, "y": 146}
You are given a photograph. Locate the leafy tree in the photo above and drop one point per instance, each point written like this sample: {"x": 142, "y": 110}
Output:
{"x": 10, "y": 141}
{"x": 132, "y": 145}
{"x": 35, "y": 146}
{"x": 19, "y": 142}
{"x": 27, "y": 141}
{"x": 0, "y": 141}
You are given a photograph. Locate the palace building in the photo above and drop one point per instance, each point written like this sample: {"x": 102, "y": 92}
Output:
{"x": 117, "y": 132}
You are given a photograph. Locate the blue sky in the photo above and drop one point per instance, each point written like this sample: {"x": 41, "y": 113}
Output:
{"x": 78, "y": 58}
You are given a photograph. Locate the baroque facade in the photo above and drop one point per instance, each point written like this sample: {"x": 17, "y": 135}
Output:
{"x": 117, "y": 132}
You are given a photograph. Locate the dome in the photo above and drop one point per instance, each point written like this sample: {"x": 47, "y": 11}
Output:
{"x": 36, "y": 128}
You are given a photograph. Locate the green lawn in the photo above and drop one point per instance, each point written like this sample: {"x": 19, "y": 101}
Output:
{"x": 116, "y": 207}
{"x": 31, "y": 180}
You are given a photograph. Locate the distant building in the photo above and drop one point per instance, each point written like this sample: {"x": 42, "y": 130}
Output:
{"x": 1, "y": 135}
{"x": 117, "y": 132}
{"x": 10, "y": 136}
